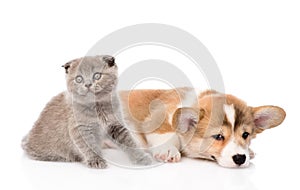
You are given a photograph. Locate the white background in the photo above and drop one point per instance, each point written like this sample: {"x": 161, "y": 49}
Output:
{"x": 255, "y": 44}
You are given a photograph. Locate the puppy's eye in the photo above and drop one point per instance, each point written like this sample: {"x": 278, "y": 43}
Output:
{"x": 218, "y": 137}
{"x": 79, "y": 79}
{"x": 97, "y": 76}
{"x": 245, "y": 135}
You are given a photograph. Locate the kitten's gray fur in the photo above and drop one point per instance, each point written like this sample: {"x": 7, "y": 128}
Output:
{"x": 74, "y": 123}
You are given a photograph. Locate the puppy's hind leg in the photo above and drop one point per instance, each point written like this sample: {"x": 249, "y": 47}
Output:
{"x": 164, "y": 147}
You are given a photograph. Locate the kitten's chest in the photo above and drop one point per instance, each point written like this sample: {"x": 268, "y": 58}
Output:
{"x": 85, "y": 115}
{"x": 98, "y": 114}
{"x": 104, "y": 113}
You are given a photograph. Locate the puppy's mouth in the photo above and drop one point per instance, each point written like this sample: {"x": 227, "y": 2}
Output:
{"x": 213, "y": 158}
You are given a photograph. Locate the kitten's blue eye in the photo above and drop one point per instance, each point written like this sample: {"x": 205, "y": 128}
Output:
{"x": 97, "y": 76}
{"x": 218, "y": 137}
{"x": 79, "y": 79}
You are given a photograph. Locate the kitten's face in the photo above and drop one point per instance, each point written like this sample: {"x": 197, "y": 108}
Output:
{"x": 91, "y": 78}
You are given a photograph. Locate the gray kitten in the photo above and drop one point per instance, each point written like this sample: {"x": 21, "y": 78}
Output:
{"x": 73, "y": 124}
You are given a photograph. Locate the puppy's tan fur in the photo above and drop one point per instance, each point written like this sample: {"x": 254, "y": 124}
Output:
{"x": 168, "y": 128}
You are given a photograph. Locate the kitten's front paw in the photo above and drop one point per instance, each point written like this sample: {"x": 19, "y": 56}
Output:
{"x": 144, "y": 159}
{"x": 96, "y": 162}
{"x": 167, "y": 154}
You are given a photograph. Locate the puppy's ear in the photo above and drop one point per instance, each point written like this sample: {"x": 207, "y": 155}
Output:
{"x": 110, "y": 60}
{"x": 185, "y": 119}
{"x": 266, "y": 117}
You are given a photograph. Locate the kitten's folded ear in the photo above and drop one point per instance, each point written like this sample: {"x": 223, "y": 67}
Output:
{"x": 110, "y": 60}
{"x": 68, "y": 65}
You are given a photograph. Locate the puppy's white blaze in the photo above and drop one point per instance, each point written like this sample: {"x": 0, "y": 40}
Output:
{"x": 231, "y": 149}
{"x": 230, "y": 113}
{"x": 155, "y": 139}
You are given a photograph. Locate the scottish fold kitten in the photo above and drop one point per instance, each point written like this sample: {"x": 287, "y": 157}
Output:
{"x": 74, "y": 123}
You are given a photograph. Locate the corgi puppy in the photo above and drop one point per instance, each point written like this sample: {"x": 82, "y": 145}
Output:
{"x": 184, "y": 122}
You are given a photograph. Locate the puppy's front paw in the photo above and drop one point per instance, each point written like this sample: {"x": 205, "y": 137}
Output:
{"x": 96, "y": 162}
{"x": 167, "y": 154}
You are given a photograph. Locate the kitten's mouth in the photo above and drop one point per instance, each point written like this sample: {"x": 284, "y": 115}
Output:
{"x": 86, "y": 92}
{"x": 93, "y": 92}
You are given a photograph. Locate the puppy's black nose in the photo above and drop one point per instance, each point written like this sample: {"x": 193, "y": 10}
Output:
{"x": 88, "y": 85}
{"x": 239, "y": 159}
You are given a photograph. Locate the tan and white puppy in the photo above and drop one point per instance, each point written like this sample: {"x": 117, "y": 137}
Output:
{"x": 208, "y": 125}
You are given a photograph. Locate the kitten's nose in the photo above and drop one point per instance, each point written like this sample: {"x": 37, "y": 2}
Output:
{"x": 88, "y": 85}
{"x": 239, "y": 159}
